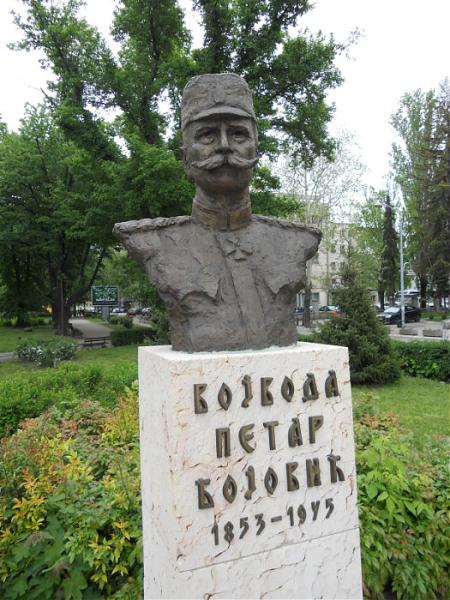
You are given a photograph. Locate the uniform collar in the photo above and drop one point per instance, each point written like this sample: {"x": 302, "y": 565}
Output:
{"x": 224, "y": 220}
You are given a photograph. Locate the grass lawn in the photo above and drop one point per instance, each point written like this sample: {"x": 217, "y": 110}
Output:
{"x": 423, "y": 405}
{"x": 108, "y": 356}
{"x": 10, "y": 337}
{"x": 97, "y": 356}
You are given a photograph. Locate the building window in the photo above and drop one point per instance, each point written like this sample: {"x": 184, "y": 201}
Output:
{"x": 333, "y": 266}
{"x": 343, "y": 249}
{"x": 315, "y": 297}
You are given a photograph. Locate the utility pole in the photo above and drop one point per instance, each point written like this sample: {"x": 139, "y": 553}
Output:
{"x": 402, "y": 272}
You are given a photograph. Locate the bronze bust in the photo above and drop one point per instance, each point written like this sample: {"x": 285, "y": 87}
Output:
{"x": 228, "y": 278}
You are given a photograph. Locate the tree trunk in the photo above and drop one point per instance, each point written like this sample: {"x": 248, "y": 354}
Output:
{"x": 61, "y": 310}
{"x": 381, "y": 297}
{"x": 306, "y": 307}
{"x": 21, "y": 319}
{"x": 423, "y": 284}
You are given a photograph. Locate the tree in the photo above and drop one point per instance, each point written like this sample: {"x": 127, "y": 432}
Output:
{"x": 389, "y": 256}
{"x": 57, "y": 208}
{"x": 119, "y": 269}
{"x": 367, "y": 233}
{"x": 290, "y": 76}
{"x": 421, "y": 169}
{"x": 326, "y": 191}
{"x": 439, "y": 200}
{"x": 372, "y": 358}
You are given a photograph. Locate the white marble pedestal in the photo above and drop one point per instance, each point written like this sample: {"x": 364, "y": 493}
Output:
{"x": 248, "y": 474}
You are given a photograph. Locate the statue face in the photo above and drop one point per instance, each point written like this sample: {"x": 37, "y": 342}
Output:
{"x": 221, "y": 152}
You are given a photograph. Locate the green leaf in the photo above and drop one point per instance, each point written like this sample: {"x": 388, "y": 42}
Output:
{"x": 74, "y": 585}
{"x": 390, "y": 506}
{"x": 372, "y": 490}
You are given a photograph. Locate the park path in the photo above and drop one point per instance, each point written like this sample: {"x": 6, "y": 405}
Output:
{"x": 89, "y": 329}
{"x": 6, "y": 356}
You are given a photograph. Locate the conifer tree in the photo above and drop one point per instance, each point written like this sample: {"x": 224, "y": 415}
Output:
{"x": 372, "y": 357}
{"x": 389, "y": 258}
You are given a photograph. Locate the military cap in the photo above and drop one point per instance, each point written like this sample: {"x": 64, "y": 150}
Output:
{"x": 216, "y": 94}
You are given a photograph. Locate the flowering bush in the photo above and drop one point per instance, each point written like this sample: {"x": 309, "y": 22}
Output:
{"x": 46, "y": 353}
{"x": 69, "y": 505}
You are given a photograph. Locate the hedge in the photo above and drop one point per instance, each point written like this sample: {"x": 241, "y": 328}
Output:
{"x": 425, "y": 359}
{"x": 134, "y": 335}
{"x": 418, "y": 359}
{"x": 27, "y": 395}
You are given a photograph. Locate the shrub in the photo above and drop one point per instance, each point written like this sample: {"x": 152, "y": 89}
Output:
{"x": 38, "y": 321}
{"x": 435, "y": 316}
{"x": 127, "y": 322}
{"x": 425, "y": 359}
{"x": 114, "y": 320}
{"x": 27, "y": 395}
{"x": 70, "y": 506}
{"x": 46, "y": 353}
{"x": 372, "y": 358}
{"x": 160, "y": 326}
{"x": 403, "y": 501}
{"x": 312, "y": 338}
{"x": 135, "y": 335}
{"x": 7, "y": 322}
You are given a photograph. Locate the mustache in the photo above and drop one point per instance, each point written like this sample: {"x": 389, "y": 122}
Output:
{"x": 216, "y": 161}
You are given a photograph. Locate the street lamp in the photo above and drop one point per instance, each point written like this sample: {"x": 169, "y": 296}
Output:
{"x": 402, "y": 271}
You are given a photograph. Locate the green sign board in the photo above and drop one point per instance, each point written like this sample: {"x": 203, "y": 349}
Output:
{"x": 105, "y": 295}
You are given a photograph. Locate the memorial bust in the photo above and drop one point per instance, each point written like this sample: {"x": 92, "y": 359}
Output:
{"x": 228, "y": 278}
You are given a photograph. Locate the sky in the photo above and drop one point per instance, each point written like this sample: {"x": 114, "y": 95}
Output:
{"x": 404, "y": 45}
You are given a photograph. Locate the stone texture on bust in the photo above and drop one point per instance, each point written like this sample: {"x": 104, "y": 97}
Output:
{"x": 224, "y": 290}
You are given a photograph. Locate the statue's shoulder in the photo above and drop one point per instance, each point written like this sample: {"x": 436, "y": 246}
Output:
{"x": 144, "y": 238}
{"x": 288, "y": 226}
{"x": 143, "y": 226}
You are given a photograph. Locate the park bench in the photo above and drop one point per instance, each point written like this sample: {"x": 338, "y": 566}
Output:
{"x": 96, "y": 341}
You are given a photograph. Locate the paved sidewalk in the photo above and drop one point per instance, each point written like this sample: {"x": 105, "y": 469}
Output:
{"x": 394, "y": 331}
{"x": 6, "y": 356}
{"x": 88, "y": 329}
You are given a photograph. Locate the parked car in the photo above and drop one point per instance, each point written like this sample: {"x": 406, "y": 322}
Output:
{"x": 377, "y": 307}
{"x": 119, "y": 311}
{"x": 393, "y": 315}
{"x": 134, "y": 312}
